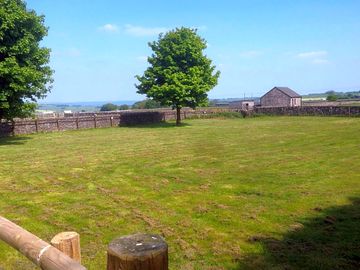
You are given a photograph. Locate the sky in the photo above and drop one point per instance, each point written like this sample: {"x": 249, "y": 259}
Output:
{"x": 98, "y": 46}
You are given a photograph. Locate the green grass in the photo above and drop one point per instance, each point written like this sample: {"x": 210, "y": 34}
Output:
{"x": 256, "y": 193}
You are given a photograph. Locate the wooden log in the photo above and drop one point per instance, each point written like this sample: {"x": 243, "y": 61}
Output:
{"x": 69, "y": 244}
{"x": 138, "y": 252}
{"x": 38, "y": 251}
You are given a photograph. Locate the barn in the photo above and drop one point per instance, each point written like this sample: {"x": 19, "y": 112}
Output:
{"x": 281, "y": 97}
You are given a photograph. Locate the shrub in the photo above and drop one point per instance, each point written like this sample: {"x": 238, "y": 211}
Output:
{"x": 331, "y": 97}
{"x": 123, "y": 107}
{"x": 108, "y": 107}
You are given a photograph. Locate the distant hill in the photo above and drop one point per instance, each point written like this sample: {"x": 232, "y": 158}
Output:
{"x": 88, "y": 106}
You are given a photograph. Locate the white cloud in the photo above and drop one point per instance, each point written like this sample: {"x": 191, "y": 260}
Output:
{"x": 315, "y": 57}
{"x": 140, "y": 31}
{"x": 110, "y": 28}
{"x": 250, "y": 54}
{"x": 320, "y": 61}
{"x": 313, "y": 54}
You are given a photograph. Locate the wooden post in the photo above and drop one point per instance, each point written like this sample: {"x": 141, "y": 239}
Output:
{"x": 69, "y": 244}
{"x": 138, "y": 252}
{"x": 95, "y": 121}
{"x": 38, "y": 251}
{"x": 57, "y": 124}
{"x": 111, "y": 121}
{"x": 36, "y": 126}
{"x": 77, "y": 122}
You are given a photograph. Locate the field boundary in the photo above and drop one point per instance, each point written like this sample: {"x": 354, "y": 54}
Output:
{"x": 112, "y": 119}
{"x": 98, "y": 120}
{"x": 352, "y": 111}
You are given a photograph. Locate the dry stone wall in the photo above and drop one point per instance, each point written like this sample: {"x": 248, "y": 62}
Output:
{"x": 311, "y": 110}
{"x": 96, "y": 120}
{"x": 102, "y": 120}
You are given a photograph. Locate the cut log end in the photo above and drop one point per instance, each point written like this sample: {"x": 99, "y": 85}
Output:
{"x": 68, "y": 243}
{"x": 139, "y": 251}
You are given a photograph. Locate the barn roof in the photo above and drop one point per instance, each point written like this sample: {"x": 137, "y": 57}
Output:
{"x": 287, "y": 91}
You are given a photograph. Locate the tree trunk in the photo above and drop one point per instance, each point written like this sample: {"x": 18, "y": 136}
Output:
{"x": 178, "y": 116}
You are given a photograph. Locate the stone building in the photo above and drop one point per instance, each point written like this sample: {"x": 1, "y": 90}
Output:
{"x": 242, "y": 104}
{"x": 281, "y": 97}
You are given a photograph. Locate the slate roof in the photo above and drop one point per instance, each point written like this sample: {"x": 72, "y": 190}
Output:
{"x": 287, "y": 91}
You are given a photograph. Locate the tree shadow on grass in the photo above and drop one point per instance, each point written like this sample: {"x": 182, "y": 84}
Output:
{"x": 157, "y": 125}
{"x": 329, "y": 241}
{"x": 13, "y": 140}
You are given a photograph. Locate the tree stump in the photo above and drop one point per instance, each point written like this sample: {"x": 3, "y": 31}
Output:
{"x": 138, "y": 252}
{"x": 68, "y": 243}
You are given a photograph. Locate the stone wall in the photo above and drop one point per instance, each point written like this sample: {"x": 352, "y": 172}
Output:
{"x": 311, "y": 110}
{"x": 97, "y": 120}
{"x": 28, "y": 126}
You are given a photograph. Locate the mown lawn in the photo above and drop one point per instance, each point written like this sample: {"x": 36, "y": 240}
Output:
{"x": 259, "y": 193}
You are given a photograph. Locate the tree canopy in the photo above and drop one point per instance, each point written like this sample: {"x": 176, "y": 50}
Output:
{"x": 24, "y": 72}
{"x": 146, "y": 104}
{"x": 108, "y": 107}
{"x": 179, "y": 74}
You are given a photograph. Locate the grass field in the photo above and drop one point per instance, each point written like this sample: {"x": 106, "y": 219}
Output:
{"x": 257, "y": 193}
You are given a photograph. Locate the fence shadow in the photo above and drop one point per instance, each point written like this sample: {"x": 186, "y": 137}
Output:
{"x": 13, "y": 140}
{"x": 329, "y": 241}
{"x": 156, "y": 125}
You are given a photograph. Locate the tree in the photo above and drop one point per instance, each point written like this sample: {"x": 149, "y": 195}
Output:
{"x": 108, "y": 107}
{"x": 147, "y": 104}
{"x": 124, "y": 107}
{"x": 331, "y": 97}
{"x": 179, "y": 74}
{"x": 24, "y": 72}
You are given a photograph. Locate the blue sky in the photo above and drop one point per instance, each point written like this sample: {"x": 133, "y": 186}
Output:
{"x": 99, "y": 46}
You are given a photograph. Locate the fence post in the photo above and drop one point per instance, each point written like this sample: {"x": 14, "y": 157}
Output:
{"x": 69, "y": 244}
{"x": 111, "y": 121}
{"x": 36, "y": 126}
{"x": 94, "y": 121}
{"x": 57, "y": 124}
{"x": 38, "y": 251}
{"x": 138, "y": 252}
{"x": 77, "y": 122}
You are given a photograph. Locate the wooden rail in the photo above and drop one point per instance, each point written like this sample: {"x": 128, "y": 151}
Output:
{"x": 131, "y": 252}
{"x": 38, "y": 251}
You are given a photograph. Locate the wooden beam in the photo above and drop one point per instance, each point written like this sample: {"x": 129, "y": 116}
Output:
{"x": 38, "y": 251}
{"x": 138, "y": 252}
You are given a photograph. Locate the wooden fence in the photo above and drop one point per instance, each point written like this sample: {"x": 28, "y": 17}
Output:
{"x": 133, "y": 252}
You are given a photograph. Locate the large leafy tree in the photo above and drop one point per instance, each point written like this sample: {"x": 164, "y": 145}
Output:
{"x": 179, "y": 74}
{"x": 24, "y": 72}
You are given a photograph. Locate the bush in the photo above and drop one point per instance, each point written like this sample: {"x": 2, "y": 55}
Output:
{"x": 108, "y": 107}
{"x": 332, "y": 97}
{"x": 123, "y": 107}
{"x": 147, "y": 104}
